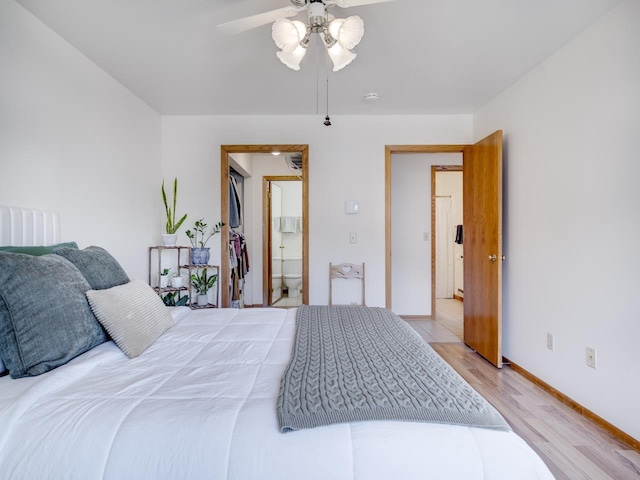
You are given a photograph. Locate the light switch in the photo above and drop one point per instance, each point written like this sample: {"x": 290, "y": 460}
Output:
{"x": 351, "y": 207}
{"x": 353, "y": 237}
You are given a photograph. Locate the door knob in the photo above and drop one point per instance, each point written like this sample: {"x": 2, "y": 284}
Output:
{"x": 493, "y": 258}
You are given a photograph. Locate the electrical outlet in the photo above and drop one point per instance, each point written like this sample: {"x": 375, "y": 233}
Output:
{"x": 550, "y": 341}
{"x": 591, "y": 357}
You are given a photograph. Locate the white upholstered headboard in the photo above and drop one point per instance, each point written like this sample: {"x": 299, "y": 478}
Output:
{"x": 28, "y": 227}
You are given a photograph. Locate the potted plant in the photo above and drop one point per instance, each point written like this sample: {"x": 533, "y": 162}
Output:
{"x": 177, "y": 281}
{"x": 164, "y": 278}
{"x": 202, "y": 283}
{"x": 170, "y": 237}
{"x": 199, "y": 238}
{"x": 171, "y": 299}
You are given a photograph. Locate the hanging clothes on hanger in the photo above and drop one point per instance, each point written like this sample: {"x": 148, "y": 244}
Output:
{"x": 235, "y": 205}
{"x": 459, "y": 234}
{"x": 239, "y": 267}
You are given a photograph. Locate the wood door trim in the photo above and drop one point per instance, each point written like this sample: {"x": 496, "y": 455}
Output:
{"x": 225, "y": 150}
{"x": 267, "y": 251}
{"x": 388, "y": 151}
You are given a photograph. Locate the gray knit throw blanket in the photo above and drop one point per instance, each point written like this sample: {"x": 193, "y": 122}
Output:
{"x": 351, "y": 364}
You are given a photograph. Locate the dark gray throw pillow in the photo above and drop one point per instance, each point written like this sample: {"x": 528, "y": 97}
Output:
{"x": 45, "y": 319}
{"x": 97, "y": 265}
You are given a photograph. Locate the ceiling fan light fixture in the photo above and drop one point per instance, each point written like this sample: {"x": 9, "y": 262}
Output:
{"x": 292, "y": 59}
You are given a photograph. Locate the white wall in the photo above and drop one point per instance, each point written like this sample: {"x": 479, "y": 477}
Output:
{"x": 346, "y": 162}
{"x": 410, "y": 221}
{"x": 75, "y": 141}
{"x": 572, "y": 216}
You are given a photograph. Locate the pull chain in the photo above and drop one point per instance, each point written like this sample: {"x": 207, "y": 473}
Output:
{"x": 327, "y": 120}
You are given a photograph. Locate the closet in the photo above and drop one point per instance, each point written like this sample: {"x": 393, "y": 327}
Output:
{"x": 237, "y": 245}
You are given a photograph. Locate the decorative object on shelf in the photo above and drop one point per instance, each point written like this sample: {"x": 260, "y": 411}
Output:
{"x": 177, "y": 281}
{"x": 164, "y": 278}
{"x": 203, "y": 283}
{"x": 170, "y": 237}
{"x": 199, "y": 238}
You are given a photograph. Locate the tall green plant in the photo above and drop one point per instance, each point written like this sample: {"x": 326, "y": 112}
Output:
{"x": 199, "y": 236}
{"x": 171, "y": 226}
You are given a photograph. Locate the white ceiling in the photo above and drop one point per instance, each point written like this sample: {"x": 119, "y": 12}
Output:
{"x": 421, "y": 56}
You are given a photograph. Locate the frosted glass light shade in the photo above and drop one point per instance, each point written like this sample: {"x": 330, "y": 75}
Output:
{"x": 287, "y": 34}
{"x": 340, "y": 56}
{"x": 348, "y": 32}
{"x": 292, "y": 59}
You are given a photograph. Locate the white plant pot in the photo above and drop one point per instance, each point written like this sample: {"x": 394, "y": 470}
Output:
{"x": 177, "y": 282}
{"x": 169, "y": 239}
{"x": 203, "y": 300}
{"x": 164, "y": 281}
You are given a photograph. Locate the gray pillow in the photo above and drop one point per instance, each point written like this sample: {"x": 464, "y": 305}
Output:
{"x": 45, "y": 319}
{"x": 133, "y": 314}
{"x": 97, "y": 265}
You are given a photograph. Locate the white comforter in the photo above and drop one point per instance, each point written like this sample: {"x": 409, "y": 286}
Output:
{"x": 200, "y": 403}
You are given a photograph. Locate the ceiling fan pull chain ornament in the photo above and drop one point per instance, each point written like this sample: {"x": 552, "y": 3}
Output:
{"x": 327, "y": 120}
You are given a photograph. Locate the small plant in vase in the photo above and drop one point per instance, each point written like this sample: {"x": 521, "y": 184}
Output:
{"x": 199, "y": 238}
{"x": 171, "y": 227}
{"x": 202, "y": 284}
{"x": 164, "y": 278}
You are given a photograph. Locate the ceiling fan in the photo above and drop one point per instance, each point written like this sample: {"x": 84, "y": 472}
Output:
{"x": 338, "y": 35}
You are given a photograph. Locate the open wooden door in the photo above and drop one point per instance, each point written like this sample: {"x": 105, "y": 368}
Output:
{"x": 482, "y": 192}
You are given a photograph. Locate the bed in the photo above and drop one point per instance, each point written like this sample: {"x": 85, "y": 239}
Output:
{"x": 200, "y": 402}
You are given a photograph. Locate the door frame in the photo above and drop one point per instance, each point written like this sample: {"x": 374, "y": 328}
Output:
{"x": 434, "y": 170}
{"x": 225, "y": 150}
{"x": 388, "y": 151}
{"x": 267, "y": 250}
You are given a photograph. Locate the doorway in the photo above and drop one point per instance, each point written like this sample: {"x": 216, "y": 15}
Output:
{"x": 482, "y": 191}
{"x": 282, "y": 245}
{"x": 447, "y": 251}
{"x": 413, "y": 236}
{"x": 225, "y": 268}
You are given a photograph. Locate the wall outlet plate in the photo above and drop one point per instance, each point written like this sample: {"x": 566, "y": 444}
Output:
{"x": 550, "y": 340}
{"x": 591, "y": 357}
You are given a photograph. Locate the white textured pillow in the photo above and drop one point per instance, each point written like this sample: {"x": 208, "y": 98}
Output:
{"x": 133, "y": 314}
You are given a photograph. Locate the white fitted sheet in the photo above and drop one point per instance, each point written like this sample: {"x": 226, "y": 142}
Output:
{"x": 201, "y": 403}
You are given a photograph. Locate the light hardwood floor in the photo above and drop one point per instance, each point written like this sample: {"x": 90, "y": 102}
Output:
{"x": 573, "y": 447}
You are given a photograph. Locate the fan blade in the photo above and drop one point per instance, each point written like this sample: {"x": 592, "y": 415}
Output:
{"x": 357, "y": 3}
{"x": 247, "y": 23}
